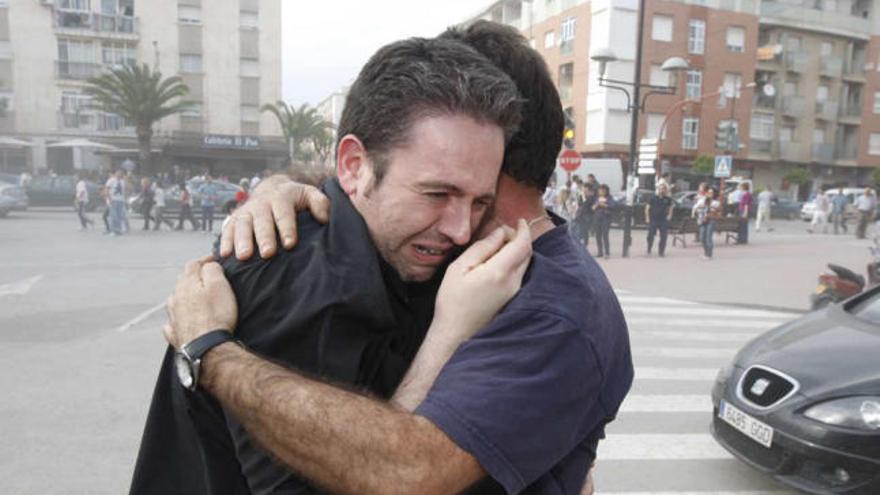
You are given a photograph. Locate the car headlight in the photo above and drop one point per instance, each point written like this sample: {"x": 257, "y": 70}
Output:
{"x": 862, "y": 413}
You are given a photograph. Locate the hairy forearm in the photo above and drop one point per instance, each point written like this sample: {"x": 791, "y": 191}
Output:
{"x": 342, "y": 441}
{"x": 432, "y": 356}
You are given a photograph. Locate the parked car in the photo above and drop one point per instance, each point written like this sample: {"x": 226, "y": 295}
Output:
{"x": 802, "y": 402}
{"x": 12, "y": 198}
{"x": 852, "y": 193}
{"x": 642, "y": 198}
{"x": 60, "y": 190}
{"x": 785, "y": 208}
{"x": 225, "y": 198}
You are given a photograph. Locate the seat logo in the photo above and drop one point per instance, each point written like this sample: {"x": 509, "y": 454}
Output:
{"x": 760, "y": 386}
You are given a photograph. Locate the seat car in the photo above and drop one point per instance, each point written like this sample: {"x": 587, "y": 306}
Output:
{"x": 225, "y": 198}
{"x": 802, "y": 402}
{"x": 59, "y": 190}
{"x": 642, "y": 198}
{"x": 12, "y": 198}
{"x": 785, "y": 209}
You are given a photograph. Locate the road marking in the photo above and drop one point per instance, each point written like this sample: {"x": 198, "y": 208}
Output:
{"x": 723, "y": 312}
{"x": 677, "y": 374}
{"x": 19, "y": 288}
{"x": 635, "y": 403}
{"x": 141, "y": 317}
{"x": 625, "y": 300}
{"x": 738, "y": 338}
{"x": 685, "y": 352}
{"x": 703, "y": 323}
{"x": 659, "y": 446}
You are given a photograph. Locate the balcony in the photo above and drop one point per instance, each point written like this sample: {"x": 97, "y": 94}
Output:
{"x": 795, "y": 61}
{"x": 802, "y": 17}
{"x": 77, "y": 71}
{"x": 75, "y": 20}
{"x": 847, "y": 152}
{"x": 761, "y": 146}
{"x": 826, "y": 110}
{"x": 830, "y": 66}
{"x": 793, "y": 106}
{"x": 823, "y": 152}
{"x": 763, "y": 101}
{"x": 851, "y": 111}
{"x": 790, "y": 151}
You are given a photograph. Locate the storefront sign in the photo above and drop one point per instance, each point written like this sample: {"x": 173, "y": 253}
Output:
{"x": 230, "y": 142}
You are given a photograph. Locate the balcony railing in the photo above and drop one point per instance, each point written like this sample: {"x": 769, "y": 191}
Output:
{"x": 764, "y": 101}
{"x": 761, "y": 146}
{"x": 93, "y": 21}
{"x": 847, "y": 152}
{"x": 793, "y": 106}
{"x": 795, "y": 61}
{"x": 94, "y": 121}
{"x": 830, "y": 66}
{"x": 823, "y": 152}
{"x": 76, "y": 70}
{"x": 790, "y": 151}
{"x": 851, "y": 110}
{"x": 826, "y": 110}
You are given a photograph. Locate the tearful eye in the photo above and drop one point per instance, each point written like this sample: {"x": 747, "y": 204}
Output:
{"x": 436, "y": 195}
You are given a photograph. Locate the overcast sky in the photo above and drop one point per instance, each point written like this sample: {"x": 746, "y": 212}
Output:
{"x": 325, "y": 42}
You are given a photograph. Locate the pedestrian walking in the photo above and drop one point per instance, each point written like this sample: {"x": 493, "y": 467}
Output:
{"x": 707, "y": 213}
{"x": 658, "y": 215}
{"x": 765, "y": 204}
{"x": 116, "y": 192}
{"x": 700, "y": 198}
{"x": 186, "y": 208}
{"x": 744, "y": 209}
{"x": 208, "y": 194}
{"x": 550, "y": 195}
{"x": 82, "y": 201}
{"x": 585, "y": 217}
{"x": 159, "y": 207}
{"x": 602, "y": 219}
{"x": 820, "y": 214}
{"x": 866, "y": 205}
{"x": 148, "y": 201}
{"x": 838, "y": 211}
{"x": 105, "y": 195}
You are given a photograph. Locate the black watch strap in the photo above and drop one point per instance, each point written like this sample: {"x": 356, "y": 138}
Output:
{"x": 199, "y": 346}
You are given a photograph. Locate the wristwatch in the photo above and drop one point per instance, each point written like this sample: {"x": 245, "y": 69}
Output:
{"x": 188, "y": 359}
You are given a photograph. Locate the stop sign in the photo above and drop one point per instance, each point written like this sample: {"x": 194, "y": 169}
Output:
{"x": 570, "y": 160}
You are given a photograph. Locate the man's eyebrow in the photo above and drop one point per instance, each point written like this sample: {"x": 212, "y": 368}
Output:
{"x": 453, "y": 189}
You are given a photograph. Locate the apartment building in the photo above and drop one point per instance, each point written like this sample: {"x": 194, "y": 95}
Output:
{"x": 228, "y": 53}
{"x": 794, "y": 78}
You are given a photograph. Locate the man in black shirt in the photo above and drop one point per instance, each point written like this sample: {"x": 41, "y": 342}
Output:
{"x": 421, "y": 142}
{"x": 658, "y": 214}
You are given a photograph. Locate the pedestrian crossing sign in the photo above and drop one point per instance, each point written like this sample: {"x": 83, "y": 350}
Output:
{"x": 723, "y": 166}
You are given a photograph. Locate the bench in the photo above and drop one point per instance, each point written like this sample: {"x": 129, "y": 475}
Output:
{"x": 729, "y": 226}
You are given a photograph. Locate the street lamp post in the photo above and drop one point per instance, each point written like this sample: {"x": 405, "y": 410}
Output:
{"x": 635, "y": 104}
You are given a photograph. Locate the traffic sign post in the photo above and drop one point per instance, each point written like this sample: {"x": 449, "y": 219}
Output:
{"x": 570, "y": 160}
{"x": 647, "y": 156}
{"x": 723, "y": 166}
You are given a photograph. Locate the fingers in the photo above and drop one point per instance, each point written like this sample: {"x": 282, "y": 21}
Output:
{"x": 192, "y": 268}
{"x": 227, "y": 237}
{"x": 242, "y": 235}
{"x": 212, "y": 273}
{"x": 168, "y": 332}
{"x": 318, "y": 204}
{"x": 481, "y": 250}
{"x": 263, "y": 227}
{"x": 284, "y": 212}
{"x": 515, "y": 255}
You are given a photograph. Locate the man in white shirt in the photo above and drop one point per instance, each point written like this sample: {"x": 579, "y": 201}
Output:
{"x": 765, "y": 201}
{"x": 820, "y": 214}
{"x": 866, "y": 204}
{"x": 116, "y": 193}
{"x": 82, "y": 201}
{"x": 159, "y": 207}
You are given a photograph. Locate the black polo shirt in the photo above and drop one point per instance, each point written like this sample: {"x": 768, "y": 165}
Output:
{"x": 332, "y": 309}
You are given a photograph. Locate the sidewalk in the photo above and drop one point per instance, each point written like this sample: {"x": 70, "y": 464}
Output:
{"x": 776, "y": 269}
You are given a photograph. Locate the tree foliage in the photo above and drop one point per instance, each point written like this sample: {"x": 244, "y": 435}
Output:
{"x": 299, "y": 125}
{"x": 141, "y": 96}
{"x": 703, "y": 165}
{"x": 876, "y": 176}
{"x": 797, "y": 176}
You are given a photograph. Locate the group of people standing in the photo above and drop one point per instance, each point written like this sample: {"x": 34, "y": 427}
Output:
{"x": 836, "y": 206}
{"x": 587, "y": 205}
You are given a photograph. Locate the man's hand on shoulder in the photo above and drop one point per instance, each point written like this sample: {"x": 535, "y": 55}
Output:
{"x": 272, "y": 205}
{"x": 202, "y": 301}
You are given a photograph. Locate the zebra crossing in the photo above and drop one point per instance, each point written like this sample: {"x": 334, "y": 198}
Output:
{"x": 660, "y": 443}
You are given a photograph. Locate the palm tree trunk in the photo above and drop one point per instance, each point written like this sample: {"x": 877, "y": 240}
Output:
{"x": 144, "y": 152}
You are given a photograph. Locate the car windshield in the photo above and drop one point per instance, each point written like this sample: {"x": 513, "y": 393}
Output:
{"x": 869, "y": 309}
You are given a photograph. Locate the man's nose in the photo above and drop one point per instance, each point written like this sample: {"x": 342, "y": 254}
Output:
{"x": 456, "y": 222}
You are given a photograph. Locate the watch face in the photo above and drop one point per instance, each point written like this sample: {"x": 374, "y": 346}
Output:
{"x": 184, "y": 370}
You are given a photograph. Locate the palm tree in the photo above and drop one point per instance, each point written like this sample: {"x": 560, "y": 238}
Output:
{"x": 323, "y": 143}
{"x": 298, "y": 124}
{"x": 142, "y": 97}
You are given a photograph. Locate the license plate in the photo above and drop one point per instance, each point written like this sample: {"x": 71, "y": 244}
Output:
{"x": 748, "y": 425}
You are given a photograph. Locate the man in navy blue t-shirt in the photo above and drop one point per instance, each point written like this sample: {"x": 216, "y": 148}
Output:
{"x": 529, "y": 394}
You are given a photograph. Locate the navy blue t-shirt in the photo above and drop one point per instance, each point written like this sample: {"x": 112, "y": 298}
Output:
{"x": 530, "y": 394}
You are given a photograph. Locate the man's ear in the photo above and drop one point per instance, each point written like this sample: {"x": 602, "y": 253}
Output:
{"x": 351, "y": 163}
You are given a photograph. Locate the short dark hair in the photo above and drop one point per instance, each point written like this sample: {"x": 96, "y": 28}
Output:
{"x": 530, "y": 157}
{"x": 418, "y": 77}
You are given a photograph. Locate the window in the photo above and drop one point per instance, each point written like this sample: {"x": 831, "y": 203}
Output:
{"x": 118, "y": 54}
{"x": 786, "y": 134}
{"x": 696, "y": 36}
{"x": 566, "y": 31}
{"x": 78, "y": 5}
{"x": 826, "y": 48}
{"x": 250, "y": 113}
{"x": 693, "y": 84}
{"x": 874, "y": 144}
{"x": 653, "y": 124}
{"x": 732, "y": 85}
{"x": 7, "y": 100}
{"x": 789, "y": 89}
{"x": 877, "y": 102}
{"x": 818, "y": 136}
{"x": 792, "y": 44}
{"x": 822, "y": 93}
{"x": 193, "y": 111}
{"x": 762, "y": 127}
{"x": 190, "y": 63}
{"x": 658, "y": 76}
{"x": 661, "y": 28}
{"x": 249, "y": 20}
{"x": 566, "y": 81}
{"x": 75, "y": 111}
{"x": 189, "y": 14}
{"x": 250, "y": 67}
{"x": 76, "y": 51}
{"x": 549, "y": 39}
{"x": 736, "y": 39}
{"x": 690, "y": 133}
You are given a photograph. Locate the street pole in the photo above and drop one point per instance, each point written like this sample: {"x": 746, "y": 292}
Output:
{"x": 635, "y": 107}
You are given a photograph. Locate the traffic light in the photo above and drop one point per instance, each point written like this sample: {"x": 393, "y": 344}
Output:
{"x": 568, "y": 134}
{"x": 726, "y": 137}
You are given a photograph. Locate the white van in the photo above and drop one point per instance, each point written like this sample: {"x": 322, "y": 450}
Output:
{"x": 851, "y": 194}
{"x": 607, "y": 171}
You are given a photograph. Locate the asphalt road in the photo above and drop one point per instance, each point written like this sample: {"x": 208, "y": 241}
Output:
{"x": 80, "y": 344}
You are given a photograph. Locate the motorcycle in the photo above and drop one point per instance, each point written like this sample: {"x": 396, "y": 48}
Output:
{"x": 843, "y": 283}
